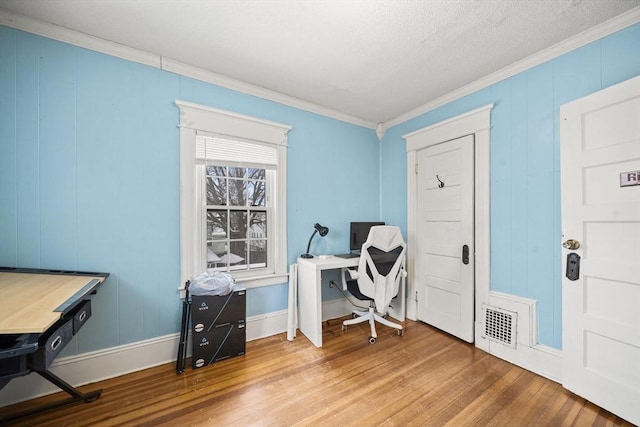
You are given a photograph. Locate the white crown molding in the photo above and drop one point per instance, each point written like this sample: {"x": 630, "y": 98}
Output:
{"x": 606, "y": 28}
{"x": 229, "y": 83}
{"x": 65, "y": 35}
{"x": 45, "y": 29}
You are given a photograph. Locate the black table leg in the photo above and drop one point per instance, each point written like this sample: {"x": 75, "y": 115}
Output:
{"x": 76, "y": 396}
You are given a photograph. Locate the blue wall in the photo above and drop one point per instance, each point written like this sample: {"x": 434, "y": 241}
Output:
{"x": 89, "y": 175}
{"x": 525, "y": 166}
{"x": 89, "y": 179}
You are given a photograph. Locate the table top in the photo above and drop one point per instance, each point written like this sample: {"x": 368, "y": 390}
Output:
{"x": 32, "y": 302}
{"x": 328, "y": 262}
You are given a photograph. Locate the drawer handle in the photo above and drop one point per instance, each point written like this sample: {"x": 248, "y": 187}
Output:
{"x": 56, "y": 343}
{"x": 82, "y": 316}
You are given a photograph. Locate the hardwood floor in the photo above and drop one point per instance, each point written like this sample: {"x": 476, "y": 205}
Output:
{"x": 424, "y": 378}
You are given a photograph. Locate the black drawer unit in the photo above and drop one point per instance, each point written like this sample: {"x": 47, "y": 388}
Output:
{"x": 209, "y": 311}
{"x": 51, "y": 344}
{"x": 80, "y": 315}
{"x": 218, "y": 327}
{"x": 222, "y": 342}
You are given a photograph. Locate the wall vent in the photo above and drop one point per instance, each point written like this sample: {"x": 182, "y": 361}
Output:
{"x": 500, "y": 326}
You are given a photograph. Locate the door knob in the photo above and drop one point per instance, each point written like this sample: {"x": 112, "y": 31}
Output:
{"x": 571, "y": 244}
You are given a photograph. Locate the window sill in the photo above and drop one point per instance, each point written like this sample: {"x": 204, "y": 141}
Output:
{"x": 253, "y": 282}
{"x": 259, "y": 281}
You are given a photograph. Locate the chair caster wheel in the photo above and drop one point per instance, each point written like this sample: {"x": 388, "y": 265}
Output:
{"x": 401, "y": 332}
{"x": 372, "y": 340}
{"x": 344, "y": 327}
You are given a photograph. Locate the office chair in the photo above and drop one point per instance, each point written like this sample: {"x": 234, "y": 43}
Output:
{"x": 378, "y": 278}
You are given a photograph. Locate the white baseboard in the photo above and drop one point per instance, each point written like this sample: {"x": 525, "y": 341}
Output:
{"x": 94, "y": 366}
{"x": 540, "y": 359}
{"x": 99, "y": 365}
{"x": 537, "y": 358}
{"x": 266, "y": 325}
{"x": 412, "y": 309}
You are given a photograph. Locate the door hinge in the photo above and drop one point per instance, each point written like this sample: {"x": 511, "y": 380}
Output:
{"x": 416, "y": 168}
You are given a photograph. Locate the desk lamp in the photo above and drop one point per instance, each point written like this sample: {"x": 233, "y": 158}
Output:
{"x": 317, "y": 229}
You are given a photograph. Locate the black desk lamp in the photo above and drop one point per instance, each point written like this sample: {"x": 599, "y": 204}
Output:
{"x": 318, "y": 229}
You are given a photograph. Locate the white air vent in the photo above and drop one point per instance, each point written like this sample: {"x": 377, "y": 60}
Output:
{"x": 500, "y": 326}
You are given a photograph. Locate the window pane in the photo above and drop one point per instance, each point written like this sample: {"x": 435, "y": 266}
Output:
{"x": 237, "y": 257}
{"x": 216, "y": 224}
{"x": 237, "y": 192}
{"x": 237, "y": 172}
{"x": 256, "y": 173}
{"x": 257, "y": 225}
{"x": 216, "y": 191}
{"x": 237, "y": 225}
{"x": 215, "y": 252}
{"x": 256, "y": 193}
{"x": 216, "y": 170}
{"x": 258, "y": 253}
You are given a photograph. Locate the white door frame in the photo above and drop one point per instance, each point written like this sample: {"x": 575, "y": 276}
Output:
{"x": 478, "y": 123}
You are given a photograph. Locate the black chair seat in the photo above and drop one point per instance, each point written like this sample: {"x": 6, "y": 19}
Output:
{"x": 352, "y": 286}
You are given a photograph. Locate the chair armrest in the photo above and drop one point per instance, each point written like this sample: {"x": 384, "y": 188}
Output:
{"x": 353, "y": 275}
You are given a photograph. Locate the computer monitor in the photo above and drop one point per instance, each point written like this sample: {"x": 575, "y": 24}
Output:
{"x": 359, "y": 231}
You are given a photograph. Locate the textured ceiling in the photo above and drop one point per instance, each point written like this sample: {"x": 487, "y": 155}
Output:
{"x": 373, "y": 60}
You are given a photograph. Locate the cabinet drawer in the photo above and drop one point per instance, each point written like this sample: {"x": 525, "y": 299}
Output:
{"x": 80, "y": 315}
{"x": 51, "y": 344}
{"x": 220, "y": 343}
{"x": 211, "y": 311}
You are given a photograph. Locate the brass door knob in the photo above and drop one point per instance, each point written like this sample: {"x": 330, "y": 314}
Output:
{"x": 571, "y": 244}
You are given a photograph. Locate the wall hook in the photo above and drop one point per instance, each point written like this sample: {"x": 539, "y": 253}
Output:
{"x": 441, "y": 183}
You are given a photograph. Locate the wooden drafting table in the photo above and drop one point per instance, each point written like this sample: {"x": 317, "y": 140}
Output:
{"x": 40, "y": 311}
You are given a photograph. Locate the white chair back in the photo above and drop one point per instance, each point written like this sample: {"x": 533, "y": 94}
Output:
{"x": 381, "y": 265}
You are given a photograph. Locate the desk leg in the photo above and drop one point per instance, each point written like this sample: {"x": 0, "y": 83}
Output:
{"x": 292, "y": 310}
{"x": 310, "y": 303}
{"x": 76, "y": 396}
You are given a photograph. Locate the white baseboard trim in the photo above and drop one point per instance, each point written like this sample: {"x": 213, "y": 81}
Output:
{"x": 266, "y": 325}
{"x": 94, "y": 366}
{"x": 540, "y": 359}
{"x": 412, "y": 309}
{"x": 100, "y": 365}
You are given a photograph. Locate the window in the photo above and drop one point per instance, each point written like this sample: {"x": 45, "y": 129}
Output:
{"x": 232, "y": 195}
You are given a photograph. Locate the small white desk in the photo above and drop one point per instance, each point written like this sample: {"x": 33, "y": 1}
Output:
{"x": 309, "y": 292}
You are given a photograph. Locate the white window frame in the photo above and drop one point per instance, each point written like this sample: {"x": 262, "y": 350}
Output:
{"x": 196, "y": 118}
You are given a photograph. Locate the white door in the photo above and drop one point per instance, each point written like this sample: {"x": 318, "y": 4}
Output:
{"x": 445, "y": 246}
{"x": 600, "y": 149}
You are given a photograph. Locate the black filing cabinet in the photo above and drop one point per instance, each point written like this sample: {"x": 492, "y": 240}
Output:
{"x": 218, "y": 327}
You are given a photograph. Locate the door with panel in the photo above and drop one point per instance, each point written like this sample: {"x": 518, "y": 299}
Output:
{"x": 445, "y": 231}
{"x": 600, "y": 164}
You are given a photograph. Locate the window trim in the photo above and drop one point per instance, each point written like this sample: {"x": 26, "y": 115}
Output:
{"x": 195, "y": 118}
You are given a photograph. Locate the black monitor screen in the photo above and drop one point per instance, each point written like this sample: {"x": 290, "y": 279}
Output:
{"x": 359, "y": 233}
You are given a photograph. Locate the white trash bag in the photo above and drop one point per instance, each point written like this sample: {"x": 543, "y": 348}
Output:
{"x": 212, "y": 283}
